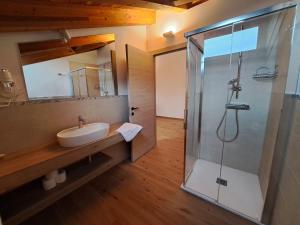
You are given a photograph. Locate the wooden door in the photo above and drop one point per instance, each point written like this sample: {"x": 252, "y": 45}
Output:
{"x": 141, "y": 95}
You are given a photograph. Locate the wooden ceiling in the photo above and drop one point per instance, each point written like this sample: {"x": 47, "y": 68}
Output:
{"x": 29, "y": 15}
{"x": 176, "y": 5}
{"x": 34, "y": 52}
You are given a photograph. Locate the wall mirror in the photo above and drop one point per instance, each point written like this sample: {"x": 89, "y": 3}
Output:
{"x": 70, "y": 67}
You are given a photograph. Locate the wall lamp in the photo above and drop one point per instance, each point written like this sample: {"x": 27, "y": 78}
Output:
{"x": 169, "y": 34}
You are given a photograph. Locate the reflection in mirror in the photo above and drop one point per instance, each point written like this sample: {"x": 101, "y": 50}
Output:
{"x": 78, "y": 67}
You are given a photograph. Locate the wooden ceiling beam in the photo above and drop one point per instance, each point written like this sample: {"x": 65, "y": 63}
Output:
{"x": 152, "y": 4}
{"x": 162, "y": 2}
{"x": 26, "y": 17}
{"x": 59, "y": 43}
{"x": 28, "y": 47}
{"x": 87, "y": 48}
{"x": 36, "y": 57}
{"x": 34, "y": 25}
{"x": 40, "y": 9}
{"x": 189, "y": 4}
{"x": 92, "y": 39}
{"x": 34, "y": 52}
{"x": 179, "y": 4}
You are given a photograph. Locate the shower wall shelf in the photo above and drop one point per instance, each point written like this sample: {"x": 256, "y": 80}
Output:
{"x": 263, "y": 73}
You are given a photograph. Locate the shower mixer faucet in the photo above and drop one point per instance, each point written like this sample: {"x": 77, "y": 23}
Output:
{"x": 235, "y": 86}
{"x": 235, "y": 89}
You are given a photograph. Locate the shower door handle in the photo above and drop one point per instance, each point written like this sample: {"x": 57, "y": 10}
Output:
{"x": 185, "y": 119}
{"x": 199, "y": 117}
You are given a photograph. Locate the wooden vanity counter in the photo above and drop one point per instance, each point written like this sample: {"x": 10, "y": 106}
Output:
{"x": 19, "y": 169}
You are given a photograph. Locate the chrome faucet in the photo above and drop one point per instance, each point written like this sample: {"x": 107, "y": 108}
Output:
{"x": 81, "y": 121}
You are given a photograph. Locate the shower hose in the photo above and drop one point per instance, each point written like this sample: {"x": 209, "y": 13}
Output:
{"x": 223, "y": 139}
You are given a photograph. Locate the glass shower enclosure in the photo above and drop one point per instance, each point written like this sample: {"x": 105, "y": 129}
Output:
{"x": 237, "y": 74}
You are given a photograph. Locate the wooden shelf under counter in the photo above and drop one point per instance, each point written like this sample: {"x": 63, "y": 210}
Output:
{"x": 22, "y": 203}
{"x": 22, "y": 195}
{"x": 20, "y": 169}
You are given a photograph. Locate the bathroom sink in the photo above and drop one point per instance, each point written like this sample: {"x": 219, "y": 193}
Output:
{"x": 76, "y": 136}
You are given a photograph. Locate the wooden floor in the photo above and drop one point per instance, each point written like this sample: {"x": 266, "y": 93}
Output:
{"x": 146, "y": 192}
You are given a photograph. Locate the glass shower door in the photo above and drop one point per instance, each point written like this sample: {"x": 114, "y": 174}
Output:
{"x": 241, "y": 127}
{"x": 216, "y": 74}
{"x": 258, "y": 68}
{"x": 203, "y": 152}
{"x": 192, "y": 122}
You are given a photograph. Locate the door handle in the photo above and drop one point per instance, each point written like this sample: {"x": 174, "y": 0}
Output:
{"x": 132, "y": 110}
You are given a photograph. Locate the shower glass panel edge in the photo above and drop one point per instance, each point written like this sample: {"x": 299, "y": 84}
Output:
{"x": 194, "y": 53}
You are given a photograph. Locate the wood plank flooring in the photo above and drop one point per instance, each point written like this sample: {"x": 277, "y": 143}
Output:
{"x": 146, "y": 192}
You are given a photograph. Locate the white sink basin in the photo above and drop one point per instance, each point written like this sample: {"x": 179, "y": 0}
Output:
{"x": 76, "y": 136}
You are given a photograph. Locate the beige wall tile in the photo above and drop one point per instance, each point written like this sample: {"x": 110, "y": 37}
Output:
{"x": 287, "y": 206}
{"x": 25, "y": 127}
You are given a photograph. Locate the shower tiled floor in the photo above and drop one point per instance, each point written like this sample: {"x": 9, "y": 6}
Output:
{"x": 242, "y": 193}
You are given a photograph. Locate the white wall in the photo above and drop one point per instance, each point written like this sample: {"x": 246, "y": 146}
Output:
{"x": 204, "y": 14}
{"x": 42, "y": 78}
{"x": 170, "y": 84}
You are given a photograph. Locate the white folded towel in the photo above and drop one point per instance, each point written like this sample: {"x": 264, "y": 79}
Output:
{"x": 129, "y": 130}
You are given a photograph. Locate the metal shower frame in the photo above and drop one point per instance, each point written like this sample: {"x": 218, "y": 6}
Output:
{"x": 266, "y": 214}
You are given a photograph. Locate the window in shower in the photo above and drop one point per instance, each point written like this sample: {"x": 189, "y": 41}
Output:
{"x": 233, "y": 118}
{"x": 238, "y": 41}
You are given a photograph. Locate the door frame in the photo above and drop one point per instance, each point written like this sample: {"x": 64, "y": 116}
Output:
{"x": 171, "y": 49}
